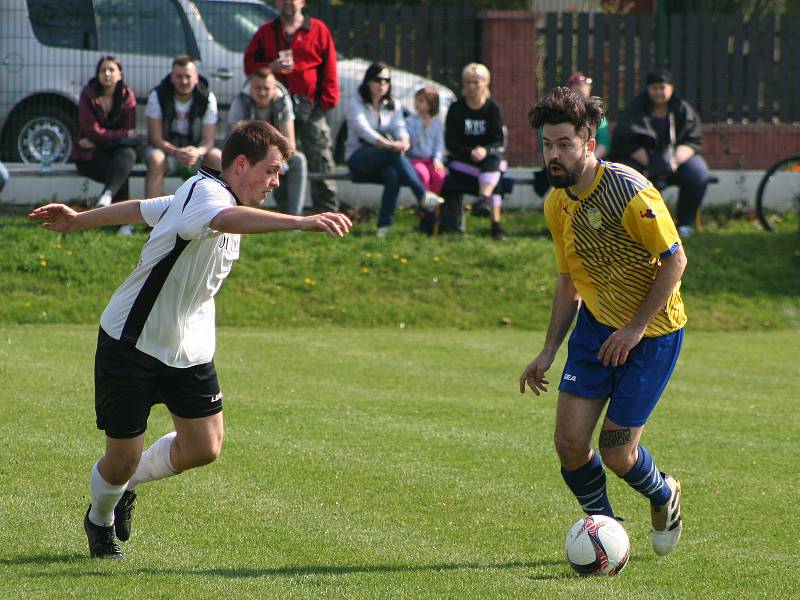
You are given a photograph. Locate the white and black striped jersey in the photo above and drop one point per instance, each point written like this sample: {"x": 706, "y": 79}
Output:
{"x": 166, "y": 306}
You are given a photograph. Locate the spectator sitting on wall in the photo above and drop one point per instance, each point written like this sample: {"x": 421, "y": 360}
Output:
{"x": 660, "y": 135}
{"x": 377, "y": 141}
{"x": 299, "y": 50}
{"x": 475, "y": 141}
{"x": 181, "y": 126}
{"x": 267, "y": 100}
{"x": 105, "y": 151}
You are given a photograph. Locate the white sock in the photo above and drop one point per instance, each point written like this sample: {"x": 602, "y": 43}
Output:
{"x": 104, "y": 199}
{"x": 155, "y": 463}
{"x": 104, "y": 498}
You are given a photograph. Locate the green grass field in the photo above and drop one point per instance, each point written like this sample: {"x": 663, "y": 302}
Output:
{"x": 387, "y": 463}
{"x": 376, "y": 444}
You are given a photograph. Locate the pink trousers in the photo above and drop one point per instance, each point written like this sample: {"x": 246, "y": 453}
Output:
{"x": 431, "y": 179}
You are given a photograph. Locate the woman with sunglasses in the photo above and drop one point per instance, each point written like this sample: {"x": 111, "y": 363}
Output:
{"x": 377, "y": 141}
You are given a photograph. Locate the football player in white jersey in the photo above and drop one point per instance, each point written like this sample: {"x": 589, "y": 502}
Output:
{"x": 156, "y": 339}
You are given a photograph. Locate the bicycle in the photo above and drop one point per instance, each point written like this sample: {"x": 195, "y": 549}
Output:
{"x": 778, "y": 196}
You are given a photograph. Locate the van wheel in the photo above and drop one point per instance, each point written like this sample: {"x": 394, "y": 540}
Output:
{"x": 43, "y": 128}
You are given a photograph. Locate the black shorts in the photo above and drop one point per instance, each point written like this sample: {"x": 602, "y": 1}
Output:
{"x": 128, "y": 382}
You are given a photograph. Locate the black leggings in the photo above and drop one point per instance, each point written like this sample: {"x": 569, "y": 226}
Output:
{"x": 111, "y": 167}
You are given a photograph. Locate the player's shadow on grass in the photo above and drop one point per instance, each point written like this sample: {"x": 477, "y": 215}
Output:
{"x": 43, "y": 560}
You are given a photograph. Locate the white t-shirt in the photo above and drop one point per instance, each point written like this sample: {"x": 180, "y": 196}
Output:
{"x": 166, "y": 306}
{"x": 180, "y": 124}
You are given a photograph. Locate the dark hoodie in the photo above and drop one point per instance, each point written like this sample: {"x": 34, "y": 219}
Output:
{"x": 638, "y": 128}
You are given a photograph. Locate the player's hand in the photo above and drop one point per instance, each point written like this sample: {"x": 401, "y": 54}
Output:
{"x": 615, "y": 350}
{"x": 534, "y": 374}
{"x": 336, "y": 224}
{"x": 56, "y": 217}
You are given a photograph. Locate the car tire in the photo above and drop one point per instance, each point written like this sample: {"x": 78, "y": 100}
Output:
{"x": 39, "y": 126}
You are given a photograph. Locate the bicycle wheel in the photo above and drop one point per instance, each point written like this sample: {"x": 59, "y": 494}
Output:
{"x": 778, "y": 196}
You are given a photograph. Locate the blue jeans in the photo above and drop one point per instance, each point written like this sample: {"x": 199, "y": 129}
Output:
{"x": 378, "y": 165}
{"x": 692, "y": 181}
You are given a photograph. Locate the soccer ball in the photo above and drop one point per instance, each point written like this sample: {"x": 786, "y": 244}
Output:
{"x": 597, "y": 545}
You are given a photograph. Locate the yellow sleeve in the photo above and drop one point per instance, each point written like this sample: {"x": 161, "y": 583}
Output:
{"x": 552, "y": 214}
{"x": 647, "y": 220}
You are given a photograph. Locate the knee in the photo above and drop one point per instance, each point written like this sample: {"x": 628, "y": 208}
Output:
{"x": 572, "y": 451}
{"x": 209, "y": 451}
{"x": 119, "y": 467}
{"x": 156, "y": 163}
{"x": 620, "y": 459}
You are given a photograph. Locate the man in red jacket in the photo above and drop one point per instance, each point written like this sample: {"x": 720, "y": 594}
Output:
{"x": 300, "y": 51}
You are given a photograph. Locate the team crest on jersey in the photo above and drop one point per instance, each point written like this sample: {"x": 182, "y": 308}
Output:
{"x": 595, "y": 217}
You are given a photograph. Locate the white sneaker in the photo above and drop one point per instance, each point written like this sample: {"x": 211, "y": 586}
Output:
{"x": 666, "y": 519}
{"x": 125, "y": 230}
{"x": 382, "y": 231}
{"x": 685, "y": 231}
{"x": 431, "y": 200}
{"x": 103, "y": 200}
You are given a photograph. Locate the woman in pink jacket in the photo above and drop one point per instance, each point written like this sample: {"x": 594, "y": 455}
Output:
{"x": 105, "y": 151}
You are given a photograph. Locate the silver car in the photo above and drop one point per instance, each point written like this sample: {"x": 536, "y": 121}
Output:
{"x": 48, "y": 51}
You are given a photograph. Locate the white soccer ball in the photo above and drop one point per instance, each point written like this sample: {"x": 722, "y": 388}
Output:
{"x": 597, "y": 545}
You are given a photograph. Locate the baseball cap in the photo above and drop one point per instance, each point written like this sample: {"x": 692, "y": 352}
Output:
{"x": 659, "y": 76}
{"x": 579, "y": 78}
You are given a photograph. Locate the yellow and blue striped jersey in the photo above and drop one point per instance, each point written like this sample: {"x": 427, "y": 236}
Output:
{"x": 610, "y": 241}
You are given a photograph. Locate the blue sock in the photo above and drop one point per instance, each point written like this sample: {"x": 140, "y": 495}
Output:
{"x": 588, "y": 483}
{"x": 646, "y": 479}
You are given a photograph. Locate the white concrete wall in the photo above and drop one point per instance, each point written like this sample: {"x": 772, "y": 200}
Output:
{"x": 734, "y": 186}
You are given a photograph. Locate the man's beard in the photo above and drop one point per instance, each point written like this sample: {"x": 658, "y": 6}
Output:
{"x": 565, "y": 178}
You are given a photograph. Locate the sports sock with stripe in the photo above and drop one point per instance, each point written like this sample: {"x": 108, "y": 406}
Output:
{"x": 588, "y": 484}
{"x": 646, "y": 479}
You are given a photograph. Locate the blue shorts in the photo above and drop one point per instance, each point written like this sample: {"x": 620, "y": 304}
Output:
{"x": 633, "y": 387}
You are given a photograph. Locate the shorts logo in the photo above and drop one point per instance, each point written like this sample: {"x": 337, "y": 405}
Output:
{"x": 570, "y": 377}
{"x": 216, "y": 397}
{"x": 595, "y": 218}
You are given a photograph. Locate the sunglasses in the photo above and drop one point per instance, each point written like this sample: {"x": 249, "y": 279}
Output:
{"x": 382, "y": 79}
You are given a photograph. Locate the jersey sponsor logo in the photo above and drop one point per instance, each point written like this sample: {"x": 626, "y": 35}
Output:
{"x": 229, "y": 243}
{"x": 595, "y": 217}
{"x": 648, "y": 214}
{"x": 570, "y": 377}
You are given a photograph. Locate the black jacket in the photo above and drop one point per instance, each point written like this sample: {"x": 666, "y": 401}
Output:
{"x": 637, "y": 129}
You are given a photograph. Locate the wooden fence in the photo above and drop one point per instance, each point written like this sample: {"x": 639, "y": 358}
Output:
{"x": 432, "y": 42}
{"x": 728, "y": 67}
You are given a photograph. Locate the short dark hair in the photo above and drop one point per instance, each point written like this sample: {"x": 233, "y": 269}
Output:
{"x": 431, "y": 97}
{"x": 563, "y": 105}
{"x": 182, "y": 60}
{"x": 253, "y": 139}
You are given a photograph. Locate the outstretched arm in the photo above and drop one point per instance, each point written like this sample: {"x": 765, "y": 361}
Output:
{"x": 243, "y": 219}
{"x": 61, "y": 218}
{"x": 565, "y": 304}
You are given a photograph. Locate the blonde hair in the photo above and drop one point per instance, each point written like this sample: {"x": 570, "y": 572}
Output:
{"x": 479, "y": 70}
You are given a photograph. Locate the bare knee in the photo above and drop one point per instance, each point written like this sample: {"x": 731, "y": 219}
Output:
{"x": 190, "y": 455}
{"x": 572, "y": 452}
{"x": 619, "y": 459}
{"x": 118, "y": 467}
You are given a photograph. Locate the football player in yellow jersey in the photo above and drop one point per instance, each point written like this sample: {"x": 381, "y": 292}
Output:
{"x": 620, "y": 262}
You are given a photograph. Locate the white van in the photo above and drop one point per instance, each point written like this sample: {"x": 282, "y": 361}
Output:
{"x": 49, "y": 50}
